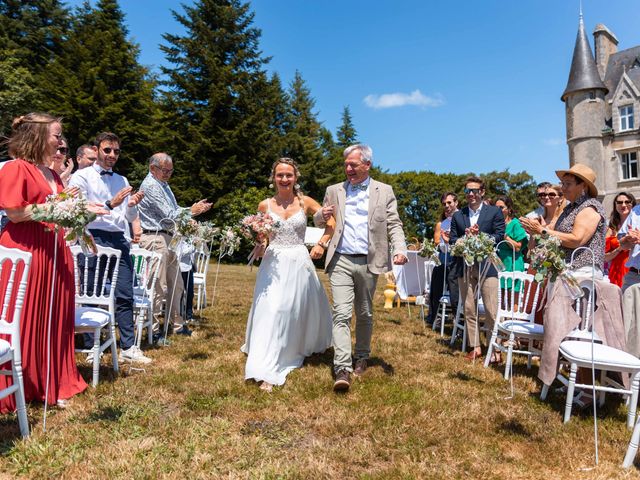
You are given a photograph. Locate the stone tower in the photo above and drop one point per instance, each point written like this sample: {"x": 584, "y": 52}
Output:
{"x": 585, "y": 108}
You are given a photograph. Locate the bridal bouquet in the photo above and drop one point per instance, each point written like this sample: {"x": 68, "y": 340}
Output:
{"x": 548, "y": 261}
{"x": 476, "y": 249}
{"x": 258, "y": 227}
{"x": 71, "y": 213}
{"x": 429, "y": 250}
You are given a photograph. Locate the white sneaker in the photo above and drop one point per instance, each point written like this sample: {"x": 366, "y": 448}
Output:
{"x": 133, "y": 354}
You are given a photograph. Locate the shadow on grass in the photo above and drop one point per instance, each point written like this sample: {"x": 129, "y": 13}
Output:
{"x": 317, "y": 359}
{"x": 106, "y": 373}
{"x": 387, "y": 368}
{"x": 513, "y": 427}
{"x": 105, "y": 414}
{"x": 195, "y": 356}
{"x": 9, "y": 433}
{"x": 459, "y": 375}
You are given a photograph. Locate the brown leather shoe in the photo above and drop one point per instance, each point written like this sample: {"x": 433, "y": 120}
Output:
{"x": 473, "y": 355}
{"x": 361, "y": 366}
{"x": 343, "y": 381}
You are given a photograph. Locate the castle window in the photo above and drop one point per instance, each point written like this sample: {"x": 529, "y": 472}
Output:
{"x": 629, "y": 165}
{"x": 626, "y": 118}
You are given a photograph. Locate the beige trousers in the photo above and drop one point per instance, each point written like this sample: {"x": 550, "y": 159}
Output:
{"x": 352, "y": 287}
{"x": 169, "y": 278}
{"x": 489, "y": 292}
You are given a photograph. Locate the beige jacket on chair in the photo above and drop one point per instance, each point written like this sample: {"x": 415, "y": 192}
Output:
{"x": 385, "y": 226}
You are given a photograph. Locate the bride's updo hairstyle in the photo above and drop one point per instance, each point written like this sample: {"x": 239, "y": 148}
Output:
{"x": 29, "y": 137}
{"x": 296, "y": 188}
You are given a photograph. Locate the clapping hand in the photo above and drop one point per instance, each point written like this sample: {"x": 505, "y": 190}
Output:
{"x": 97, "y": 208}
{"x": 73, "y": 191}
{"x": 200, "y": 207}
{"x": 473, "y": 230}
{"x": 136, "y": 198}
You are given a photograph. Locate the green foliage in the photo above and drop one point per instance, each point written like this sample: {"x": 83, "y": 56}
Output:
{"x": 346, "y": 134}
{"x": 220, "y": 109}
{"x": 17, "y": 91}
{"x": 519, "y": 186}
{"x": 96, "y": 88}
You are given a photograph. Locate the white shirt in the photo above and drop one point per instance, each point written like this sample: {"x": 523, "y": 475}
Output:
{"x": 355, "y": 237}
{"x": 445, "y": 226}
{"x": 632, "y": 221}
{"x": 474, "y": 215}
{"x": 538, "y": 212}
{"x": 100, "y": 188}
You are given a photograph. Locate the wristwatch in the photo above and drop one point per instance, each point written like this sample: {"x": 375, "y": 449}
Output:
{"x": 108, "y": 204}
{"x": 544, "y": 232}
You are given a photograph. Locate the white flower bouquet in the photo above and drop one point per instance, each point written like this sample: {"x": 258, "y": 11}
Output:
{"x": 476, "y": 249}
{"x": 547, "y": 260}
{"x": 70, "y": 212}
{"x": 429, "y": 250}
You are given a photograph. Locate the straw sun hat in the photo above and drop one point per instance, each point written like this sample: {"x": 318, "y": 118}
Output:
{"x": 585, "y": 174}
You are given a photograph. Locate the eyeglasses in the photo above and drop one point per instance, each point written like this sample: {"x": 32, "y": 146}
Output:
{"x": 166, "y": 171}
{"x": 475, "y": 191}
{"x": 550, "y": 195}
{"x": 62, "y": 150}
{"x": 623, "y": 202}
{"x": 108, "y": 150}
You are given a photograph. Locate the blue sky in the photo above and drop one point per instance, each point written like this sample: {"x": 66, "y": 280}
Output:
{"x": 453, "y": 86}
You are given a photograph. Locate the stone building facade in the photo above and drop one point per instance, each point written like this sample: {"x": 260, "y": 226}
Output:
{"x": 602, "y": 104}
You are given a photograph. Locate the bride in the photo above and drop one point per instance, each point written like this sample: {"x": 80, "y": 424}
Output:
{"x": 290, "y": 317}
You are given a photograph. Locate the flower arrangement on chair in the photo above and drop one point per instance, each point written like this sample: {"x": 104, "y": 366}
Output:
{"x": 70, "y": 212}
{"x": 548, "y": 261}
{"x": 476, "y": 249}
{"x": 429, "y": 250}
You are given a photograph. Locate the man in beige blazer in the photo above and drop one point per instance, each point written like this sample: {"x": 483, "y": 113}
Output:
{"x": 367, "y": 221}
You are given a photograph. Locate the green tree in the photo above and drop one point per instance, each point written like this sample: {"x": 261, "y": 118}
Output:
{"x": 96, "y": 88}
{"x": 17, "y": 92}
{"x": 305, "y": 137}
{"x": 520, "y": 186}
{"x": 346, "y": 134}
{"x": 224, "y": 113}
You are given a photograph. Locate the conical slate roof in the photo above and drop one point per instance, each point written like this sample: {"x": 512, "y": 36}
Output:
{"x": 584, "y": 73}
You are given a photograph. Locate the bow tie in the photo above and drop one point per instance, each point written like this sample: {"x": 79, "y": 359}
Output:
{"x": 358, "y": 186}
{"x": 106, "y": 172}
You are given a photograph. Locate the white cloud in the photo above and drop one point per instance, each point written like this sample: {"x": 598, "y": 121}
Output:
{"x": 553, "y": 142}
{"x": 392, "y": 100}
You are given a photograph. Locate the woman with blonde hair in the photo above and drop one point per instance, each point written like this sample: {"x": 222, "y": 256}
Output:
{"x": 290, "y": 317}
{"x": 25, "y": 181}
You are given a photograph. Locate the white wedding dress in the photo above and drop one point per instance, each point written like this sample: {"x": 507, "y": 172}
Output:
{"x": 290, "y": 317}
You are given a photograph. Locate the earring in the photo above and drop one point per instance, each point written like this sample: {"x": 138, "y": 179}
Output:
{"x": 297, "y": 186}
{"x": 271, "y": 185}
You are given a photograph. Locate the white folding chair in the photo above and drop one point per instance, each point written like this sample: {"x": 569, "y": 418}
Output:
{"x": 95, "y": 301}
{"x": 513, "y": 321}
{"x": 146, "y": 268}
{"x": 459, "y": 324}
{"x": 203, "y": 254}
{"x": 580, "y": 350}
{"x": 11, "y": 309}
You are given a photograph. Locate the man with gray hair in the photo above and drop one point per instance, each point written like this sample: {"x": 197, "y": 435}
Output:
{"x": 158, "y": 211}
{"x": 368, "y": 228}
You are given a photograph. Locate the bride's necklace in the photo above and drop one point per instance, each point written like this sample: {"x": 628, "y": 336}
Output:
{"x": 283, "y": 203}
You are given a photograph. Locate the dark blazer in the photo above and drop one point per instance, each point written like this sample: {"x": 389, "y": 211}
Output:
{"x": 491, "y": 222}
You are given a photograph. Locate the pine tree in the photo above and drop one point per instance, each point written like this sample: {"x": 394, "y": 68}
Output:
{"x": 346, "y": 134}
{"x": 224, "y": 112}
{"x": 97, "y": 88}
{"x": 306, "y": 140}
{"x": 31, "y": 35}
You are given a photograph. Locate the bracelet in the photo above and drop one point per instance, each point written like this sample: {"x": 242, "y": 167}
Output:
{"x": 324, "y": 245}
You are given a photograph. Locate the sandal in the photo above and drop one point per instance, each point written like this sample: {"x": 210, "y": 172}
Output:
{"x": 583, "y": 400}
{"x": 266, "y": 387}
{"x": 496, "y": 357}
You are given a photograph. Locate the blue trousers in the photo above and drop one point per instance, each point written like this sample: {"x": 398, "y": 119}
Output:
{"x": 124, "y": 285}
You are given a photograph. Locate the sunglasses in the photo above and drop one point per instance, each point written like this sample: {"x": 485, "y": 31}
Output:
{"x": 475, "y": 191}
{"x": 623, "y": 202}
{"x": 108, "y": 150}
{"x": 62, "y": 150}
{"x": 550, "y": 195}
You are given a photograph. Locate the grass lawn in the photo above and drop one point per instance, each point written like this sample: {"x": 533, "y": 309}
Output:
{"x": 421, "y": 411}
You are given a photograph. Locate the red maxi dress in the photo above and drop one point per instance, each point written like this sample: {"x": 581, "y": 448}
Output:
{"x": 22, "y": 184}
{"x": 617, "y": 268}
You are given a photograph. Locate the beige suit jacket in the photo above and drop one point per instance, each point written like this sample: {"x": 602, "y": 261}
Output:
{"x": 385, "y": 226}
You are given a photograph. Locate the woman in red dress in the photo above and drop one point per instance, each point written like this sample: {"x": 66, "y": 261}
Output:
{"x": 615, "y": 257}
{"x": 25, "y": 181}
